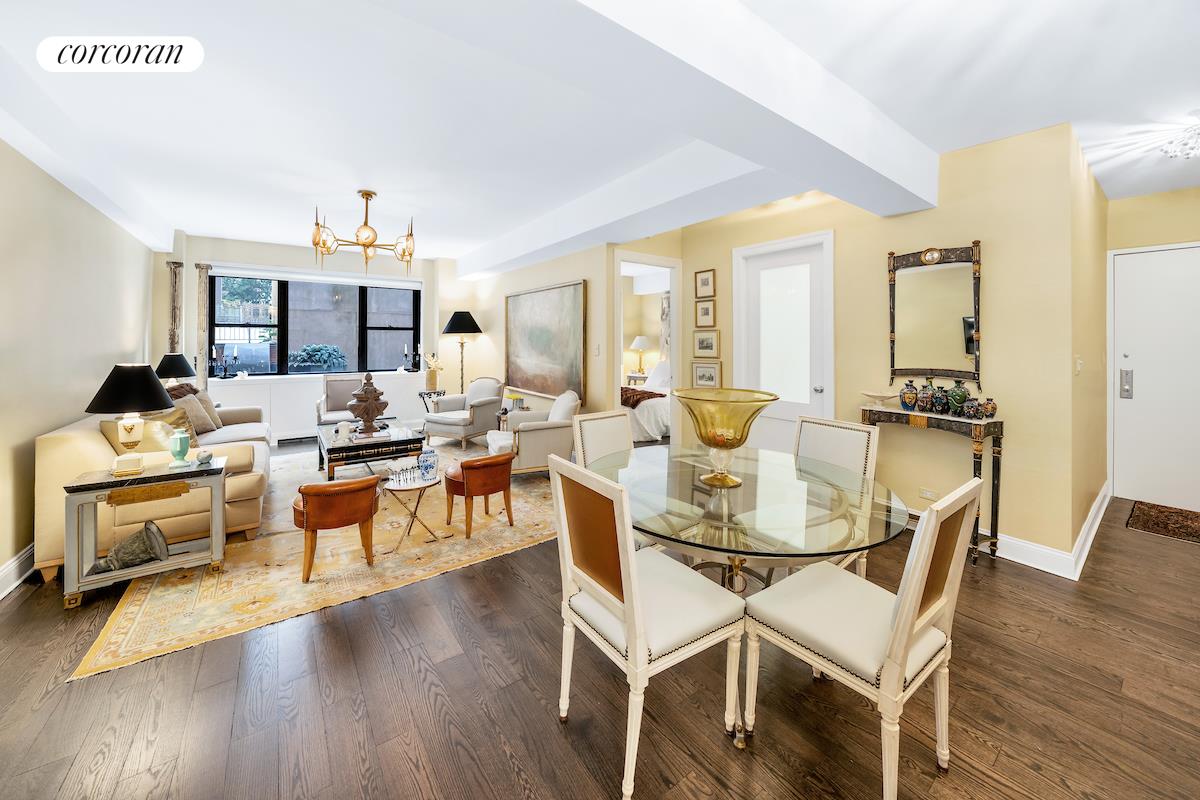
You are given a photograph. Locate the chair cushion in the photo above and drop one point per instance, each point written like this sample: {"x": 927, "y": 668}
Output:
{"x": 455, "y": 418}
{"x": 566, "y": 406}
{"x": 841, "y": 617}
{"x": 237, "y": 432}
{"x": 499, "y": 442}
{"x": 679, "y": 606}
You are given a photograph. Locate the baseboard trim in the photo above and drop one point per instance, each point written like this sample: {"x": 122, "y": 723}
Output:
{"x": 16, "y": 570}
{"x": 1049, "y": 559}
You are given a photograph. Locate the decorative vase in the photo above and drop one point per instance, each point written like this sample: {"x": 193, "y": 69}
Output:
{"x": 427, "y": 463}
{"x": 431, "y": 380}
{"x": 722, "y": 418}
{"x": 989, "y": 408}
{"x": 925, "y": 397}
{"x": 940, "y": 403}
{"x": 908, "y": 396}
{"x": 180, "y": 443}
{"x": 957, "y": 395}
{"x": 141, "y": 547}
{"x": 971, "y": 409}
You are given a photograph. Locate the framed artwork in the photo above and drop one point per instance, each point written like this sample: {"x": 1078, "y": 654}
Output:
{"x": 706, "y": 283}
{"x": 706, "y": 374}
{"x": 706, "y": 313}
{"x": 544, "y": 346}
{"x": 706, "y": 344}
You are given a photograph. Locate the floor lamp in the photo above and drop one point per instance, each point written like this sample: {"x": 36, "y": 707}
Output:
{"x": 461, "y": 324}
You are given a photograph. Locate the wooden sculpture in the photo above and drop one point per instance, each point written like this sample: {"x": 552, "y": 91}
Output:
{"x": 368, "y": 405}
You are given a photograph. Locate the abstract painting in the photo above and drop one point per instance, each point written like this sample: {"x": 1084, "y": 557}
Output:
{"x": 544, "y": 348}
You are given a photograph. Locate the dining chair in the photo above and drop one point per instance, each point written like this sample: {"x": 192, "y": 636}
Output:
{"x": 601, "y": 434}
{"x": 881, "y": 645}
{"x": 643, "y": 609}
{"x": 483, "y": 476}
{"x": 850, "y": 447}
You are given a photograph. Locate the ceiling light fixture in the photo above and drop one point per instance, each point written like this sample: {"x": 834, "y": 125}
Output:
{"x": 325, "y": 242}
{"x": 1186, "y": 144}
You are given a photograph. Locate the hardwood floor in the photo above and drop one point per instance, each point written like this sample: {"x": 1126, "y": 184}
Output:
{"x": 448, "y": 689}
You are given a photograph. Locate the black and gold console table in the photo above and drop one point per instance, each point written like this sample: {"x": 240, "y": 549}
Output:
{"x": 977, "y": 430}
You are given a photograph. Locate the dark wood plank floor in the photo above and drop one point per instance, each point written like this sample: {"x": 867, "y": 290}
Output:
{"x": 448, "y": 689}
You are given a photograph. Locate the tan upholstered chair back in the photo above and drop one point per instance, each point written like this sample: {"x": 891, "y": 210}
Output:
{"x": 339, "y": 391}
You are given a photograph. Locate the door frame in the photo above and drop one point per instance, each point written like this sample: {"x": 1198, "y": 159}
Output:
{"x": 617, "y": 346}
{"x": 1110, "y": 346}
{"x": 741, "y": 311}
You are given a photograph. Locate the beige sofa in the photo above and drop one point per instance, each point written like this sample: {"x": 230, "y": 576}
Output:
{"x": 80, "y": 447}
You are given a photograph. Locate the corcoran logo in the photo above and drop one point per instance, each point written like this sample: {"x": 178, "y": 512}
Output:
{"x": 120, "y": 54}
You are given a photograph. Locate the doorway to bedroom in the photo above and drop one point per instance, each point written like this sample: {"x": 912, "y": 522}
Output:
{"x": 646, "y": 339}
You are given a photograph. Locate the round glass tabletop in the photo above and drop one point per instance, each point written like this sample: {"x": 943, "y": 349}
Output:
{"x": 785, "y": 509}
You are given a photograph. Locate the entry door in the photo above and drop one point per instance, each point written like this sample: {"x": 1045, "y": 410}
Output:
{"x": 1156, "y": 350}
{"x": 786, "y": 347}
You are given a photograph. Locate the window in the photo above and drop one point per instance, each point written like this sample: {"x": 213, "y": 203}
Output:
{"x": 245, "y": 324}
{"x": 293, "y": 327}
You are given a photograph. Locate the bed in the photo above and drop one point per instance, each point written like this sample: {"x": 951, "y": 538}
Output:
{"x": 651, "y": 420}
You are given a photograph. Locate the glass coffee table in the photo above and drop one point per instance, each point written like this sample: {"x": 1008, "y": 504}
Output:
{"x": 395, "y": 441}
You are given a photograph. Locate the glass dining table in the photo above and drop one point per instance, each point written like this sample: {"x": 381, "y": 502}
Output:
{"x": 787, "y": 512}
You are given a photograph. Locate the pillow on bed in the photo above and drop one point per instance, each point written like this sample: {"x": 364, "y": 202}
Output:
{"x": 659, "y": 379}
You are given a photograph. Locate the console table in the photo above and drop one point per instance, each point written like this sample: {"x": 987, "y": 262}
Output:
{"x": 977, "y": 430}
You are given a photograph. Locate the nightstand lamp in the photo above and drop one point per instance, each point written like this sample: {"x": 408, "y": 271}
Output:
{"x": 640, "y": 345}
{"x": 129, "y": 390}
{"x": 173, "y": 367}
{"x": 461, "y": 324}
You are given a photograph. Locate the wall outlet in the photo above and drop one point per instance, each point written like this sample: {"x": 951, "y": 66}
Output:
{"x": 928, "y": 494}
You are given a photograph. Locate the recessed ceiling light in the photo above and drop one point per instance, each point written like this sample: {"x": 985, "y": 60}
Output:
{"x": 1186, "y": 144}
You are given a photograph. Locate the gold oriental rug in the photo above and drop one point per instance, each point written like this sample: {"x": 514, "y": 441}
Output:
{"x": 260, "y": 583}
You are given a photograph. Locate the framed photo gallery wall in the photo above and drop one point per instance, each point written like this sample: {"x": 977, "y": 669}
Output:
{"x": 706, "y": 340}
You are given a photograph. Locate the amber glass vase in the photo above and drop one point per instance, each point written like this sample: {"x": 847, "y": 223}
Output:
{"x": 722, "y": 418}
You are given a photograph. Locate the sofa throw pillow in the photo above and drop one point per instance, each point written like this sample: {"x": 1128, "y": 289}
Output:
{"x": 175, "y": 418}
{"x": 182, "y": 390}
{"x": 210, "y": 408}
{"x": 201, "y": 421}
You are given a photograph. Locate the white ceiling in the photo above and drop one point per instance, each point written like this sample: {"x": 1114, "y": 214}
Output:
{"x": 513, "y": 132}
{"x": 1125, "y": 73}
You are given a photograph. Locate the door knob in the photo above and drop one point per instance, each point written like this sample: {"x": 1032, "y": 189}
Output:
{"x": 819, "y": 389}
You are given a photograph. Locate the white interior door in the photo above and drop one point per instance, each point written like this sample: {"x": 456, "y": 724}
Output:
{"x": 1156, "y": 337}
{"x": 784, "y": 335}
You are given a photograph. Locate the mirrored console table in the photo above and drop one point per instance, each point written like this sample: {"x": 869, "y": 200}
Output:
{"x": 978, "y": 431}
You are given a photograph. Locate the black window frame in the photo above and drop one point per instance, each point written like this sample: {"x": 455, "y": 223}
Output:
{"x": 281, "y": 324}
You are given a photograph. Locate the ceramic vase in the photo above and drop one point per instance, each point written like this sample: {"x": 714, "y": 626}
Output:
{"x": 925, "y": 397}
{"x": 940, "y": 402}
{"x": 908, "y": 396}
{"x": 427, "y": 463}
{"x": 971, "y": 409}
{"x": 989, "y": 408}
{"x": 957, "y": 395}
{"x": 180, "y": 443}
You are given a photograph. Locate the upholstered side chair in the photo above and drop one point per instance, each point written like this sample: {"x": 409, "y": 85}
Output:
{"x": 479, "y": 477}
{"x": 881, "y": 645}
{"x": 601, "y": 434}
{"x": 336, "y": 504}
{"x": 338, "y": 393}
{"x": 641, "y": 608}
{"x": 850, "y": 448}
{"x": 533, "y": 435}
{"x": 465, "y": 416}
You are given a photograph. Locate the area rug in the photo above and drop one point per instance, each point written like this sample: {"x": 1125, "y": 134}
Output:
{"x": 1165, "y": 521}
{"x": 260, "y": 583}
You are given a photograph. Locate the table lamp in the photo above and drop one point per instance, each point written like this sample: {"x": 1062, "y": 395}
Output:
{"x": 461, "y": 324}
{"x": 640, "y": 345}
{"x": 173, "y": 367}
{"x": 129, "y": 390}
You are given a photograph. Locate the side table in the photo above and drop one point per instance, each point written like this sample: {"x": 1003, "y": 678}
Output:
{"x": 159, "y": 482}
{"x": 394, "y": 486}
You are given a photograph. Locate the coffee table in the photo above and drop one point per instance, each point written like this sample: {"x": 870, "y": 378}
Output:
{"x": 397, "y": 441}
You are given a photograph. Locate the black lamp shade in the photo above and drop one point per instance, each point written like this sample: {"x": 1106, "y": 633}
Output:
{"x": 175, "y": 365}
{"x": 130, "y": 387}
{"x": 461, "y": 322}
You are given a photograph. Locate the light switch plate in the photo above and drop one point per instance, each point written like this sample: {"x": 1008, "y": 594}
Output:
{"x": 928, "y": 494}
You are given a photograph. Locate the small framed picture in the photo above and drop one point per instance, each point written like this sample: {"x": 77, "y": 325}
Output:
{"x": 706, "y": 313}
{"x": 706, "y": 344}
{"x": 706, "y": 374}
{"x": 706, "y": 283}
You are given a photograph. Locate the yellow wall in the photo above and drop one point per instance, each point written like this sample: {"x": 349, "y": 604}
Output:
{"x": 77, "y": 302}
{"x": 1163, "y": 218}
{"x": 641, "y": 316}
{"x": 1015, "y": 196}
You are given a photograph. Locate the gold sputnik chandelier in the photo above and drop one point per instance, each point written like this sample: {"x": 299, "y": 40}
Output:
{"x": 325, "y": 242}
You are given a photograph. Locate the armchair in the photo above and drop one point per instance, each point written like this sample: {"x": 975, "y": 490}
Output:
{"x": 533, "y": 435}
{"x": 339, "y": 391}
{"x": 465, "y": 416}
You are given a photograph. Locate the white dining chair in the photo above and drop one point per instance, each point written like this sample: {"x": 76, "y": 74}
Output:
{"x": 850, "y": 447}
{"x": 643, "y": 609}
{"x": 601, "y": 434}
{"x": 881, "y": 645}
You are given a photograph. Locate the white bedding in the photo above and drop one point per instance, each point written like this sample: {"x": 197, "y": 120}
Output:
{"x": 651, "y": 420}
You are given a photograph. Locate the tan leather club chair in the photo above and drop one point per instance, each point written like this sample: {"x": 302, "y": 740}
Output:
{"x": 485, "y": 476}
{"x": 336, "y": 504}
